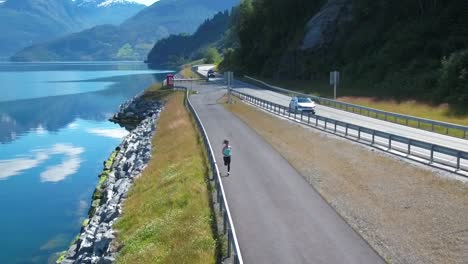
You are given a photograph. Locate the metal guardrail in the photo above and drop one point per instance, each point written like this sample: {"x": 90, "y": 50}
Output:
{"x": 228, "y": 225}
{"x": 411, "y": 121}
{"x": 434, "y": 155}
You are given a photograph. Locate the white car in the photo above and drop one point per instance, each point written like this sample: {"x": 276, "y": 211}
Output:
{"x": 302, "y": 104}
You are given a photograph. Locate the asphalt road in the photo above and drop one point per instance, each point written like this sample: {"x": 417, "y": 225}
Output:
{"x": 278, "y": 216}
{"x": 384, "y": 126}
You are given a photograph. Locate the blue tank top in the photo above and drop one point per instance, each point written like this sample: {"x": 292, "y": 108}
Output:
{"x": 227, "y": 151}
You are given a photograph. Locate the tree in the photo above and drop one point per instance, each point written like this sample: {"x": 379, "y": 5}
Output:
{"x": 453, "y": 80}
{"x": 212, "y": 56}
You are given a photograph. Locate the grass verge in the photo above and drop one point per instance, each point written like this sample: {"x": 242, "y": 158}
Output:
{"x": 408, "y": 213}
{"x": 156, "y": 92}
{"x": 187, "y": 72}
{"x": 167, "y": 216}
{"x": 409, "y": 107}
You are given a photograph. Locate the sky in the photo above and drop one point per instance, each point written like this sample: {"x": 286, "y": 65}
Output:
{"x": 145, "y": 2}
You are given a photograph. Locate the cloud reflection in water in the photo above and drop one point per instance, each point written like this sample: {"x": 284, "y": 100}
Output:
{"x": 55, "y": 173}
{"x": 118, "y": 133}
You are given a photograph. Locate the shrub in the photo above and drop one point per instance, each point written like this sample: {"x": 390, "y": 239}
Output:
{"x": 453, "y": 79}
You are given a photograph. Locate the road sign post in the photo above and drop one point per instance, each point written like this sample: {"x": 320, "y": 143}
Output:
{"x": 334, "y": 80}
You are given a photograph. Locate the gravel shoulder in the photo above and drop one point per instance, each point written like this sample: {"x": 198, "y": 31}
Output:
{"x": 408, "y": 212}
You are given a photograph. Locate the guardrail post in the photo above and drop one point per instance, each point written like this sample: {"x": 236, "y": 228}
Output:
{"x": 295, "y": 113}
{"x": 406, "y": 122}
{"x": 301, "y": 116}
{"x": 409, "y": 147}
{"x": 335, "y": 126}
{"x": 446, "y": 131}
{"x": 359, "y": 133}
{"x": 229, "y": 241}
{"x": 432, "y": 153}
{"x": 346, "y": 129}
{"x": 220, "y": 202}
{"x": 316, "y": 121}
{"x": 390, "y": 142}
{"x": 218, "y": 193}
{"x": 432, "y": 127}
{"x": 325, "y": 123}
{"x": 308, "y": 118}
{"x": 458, "y": 160}
{"x": 225, "y": 222}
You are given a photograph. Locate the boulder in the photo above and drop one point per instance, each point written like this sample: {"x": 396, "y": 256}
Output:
{"x": 110, "y": 214}
{"x": 71, "y": 253}
{"x": 86, "y": 245}
{"x": 123, "y": 186}
{"x": 102, "y": 243}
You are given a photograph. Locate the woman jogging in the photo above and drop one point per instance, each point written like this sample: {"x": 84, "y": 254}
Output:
{"x": 227, "y": 155}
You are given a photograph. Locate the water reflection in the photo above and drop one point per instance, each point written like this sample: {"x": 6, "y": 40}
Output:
{"x": 53, "y": 113}
{"x": 69, "y": 165}
{"x": 52, "y": 148}
{"x": 112, "y": 133}
{"x": 12, "y": 167}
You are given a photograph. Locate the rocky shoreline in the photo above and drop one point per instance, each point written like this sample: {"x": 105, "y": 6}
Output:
{"x": 96, "y": 241}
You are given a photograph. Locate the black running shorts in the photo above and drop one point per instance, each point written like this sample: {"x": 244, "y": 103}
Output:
{"x": 227, "y": 160}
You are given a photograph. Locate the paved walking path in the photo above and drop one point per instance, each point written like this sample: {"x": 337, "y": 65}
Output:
{"x": 278, "y": 216}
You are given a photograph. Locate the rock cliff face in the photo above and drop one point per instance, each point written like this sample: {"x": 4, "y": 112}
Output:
{"x": 322, "y": 27}
{"x": 320, "y": 31}
{"x": 95, "y": 243}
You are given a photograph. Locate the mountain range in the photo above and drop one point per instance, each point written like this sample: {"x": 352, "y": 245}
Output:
{"x": 131, "y": 40}
{"x": 25, "y": 22}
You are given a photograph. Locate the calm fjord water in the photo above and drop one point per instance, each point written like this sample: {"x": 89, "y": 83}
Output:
{"x": 54, "y": 136}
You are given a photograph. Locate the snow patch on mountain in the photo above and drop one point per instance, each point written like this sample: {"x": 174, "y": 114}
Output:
{"x": 115, "y": 2}
{"x": 104, "y": 3}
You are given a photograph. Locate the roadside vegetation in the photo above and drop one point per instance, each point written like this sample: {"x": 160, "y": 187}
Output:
{"x": 167, "y": 217}
{"x": 413, "y": 50}
{"x": 157, "y": 92}
{"x": 187, "y": 72}
{"x": 409, "y": 213}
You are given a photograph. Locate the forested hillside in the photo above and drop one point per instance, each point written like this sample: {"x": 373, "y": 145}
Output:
{"x": 182, "y": 48}
{"x": 406, "y": 49}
